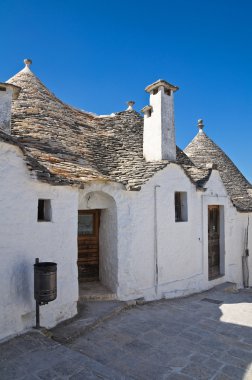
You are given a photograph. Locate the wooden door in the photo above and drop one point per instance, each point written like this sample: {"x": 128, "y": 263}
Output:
{"x": 213, "y": 242}
{"x": 88, "y": 245}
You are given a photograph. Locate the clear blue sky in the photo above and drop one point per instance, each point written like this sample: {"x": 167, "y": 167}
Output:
{"x": 97, "y": 54}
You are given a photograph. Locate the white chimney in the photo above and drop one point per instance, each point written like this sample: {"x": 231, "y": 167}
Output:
{"x": 7, "y": 93}
{"x": 159, "y": 131}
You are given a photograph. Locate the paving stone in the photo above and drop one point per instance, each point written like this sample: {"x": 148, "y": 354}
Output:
{"x": 177, "y": 376}
{"x": 213, "y": 363}
{"x": 150, "y": 371}
{"x": 214, "y": 344}
{"x": 124, "y": 365}
{"x": 198, "y": 358}
{"x": 112, "y": 356}
{"x": 234, "y": 373}
{"x": 248, "y": 339}
{"x": 30, "y": 376}
{"x": 171, "y": 358}
{"x": 198, "y": 372}
{"x": 154, "y": 337}
{"x": 191, "y": 336}
{"x": 243, "y": 346}
{"x": 107, "y": 373}
{"x": 67, "y": 367}
{"x": 85, "y": 346}
{"x": 221, "y": 376}
{"x": 85, "y": 374}
{"x": 231, "y": 360}
{"x": 12, "y": 372}
{"x": 241, "y": 354}
{"x": 151, "y": 341}
{"x": 40, "y": 359}
{"x": 138, "y": 347}
{"x": 200, "y": 332}
{"x": 47, "y": 374}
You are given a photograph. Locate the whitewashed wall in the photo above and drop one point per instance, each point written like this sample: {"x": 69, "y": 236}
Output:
{"x": 245, "y": 220}
{"x": 182, "y": 247}
{"x": 5, "y": 109}
{"x": 22, "y": 239}
{"x": 127, "y": 240}
{"x": 178, "y": 247}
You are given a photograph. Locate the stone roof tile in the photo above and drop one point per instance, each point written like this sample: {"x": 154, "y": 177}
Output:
{"x": 65, "y": 146}
{"x": 202, "y": 151}
{"x": 70, "y": 146}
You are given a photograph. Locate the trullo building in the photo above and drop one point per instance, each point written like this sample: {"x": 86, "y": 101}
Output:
{"x": 112, "y": 198}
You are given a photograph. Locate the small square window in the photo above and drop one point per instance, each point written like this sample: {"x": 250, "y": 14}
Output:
{"x": 181, "y": 214}
{"x": 44, "y": 210}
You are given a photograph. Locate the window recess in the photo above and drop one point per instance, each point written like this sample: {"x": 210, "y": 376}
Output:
{"x": 44, "y": 210}
{"x": 181, "y": 212}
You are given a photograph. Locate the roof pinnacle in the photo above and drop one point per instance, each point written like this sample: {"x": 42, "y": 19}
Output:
{"x": 200, "y": 125}
{"x": 27, "y": 62}
{"x": 130, "y": 105}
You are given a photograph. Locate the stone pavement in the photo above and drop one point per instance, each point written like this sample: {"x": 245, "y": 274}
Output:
{"x": 205, "y": 336}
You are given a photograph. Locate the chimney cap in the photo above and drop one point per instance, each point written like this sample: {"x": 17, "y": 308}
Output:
{"x": 15, "y": 89}
{"x": 159, "y": 83}
{"x": 146, "y": 109}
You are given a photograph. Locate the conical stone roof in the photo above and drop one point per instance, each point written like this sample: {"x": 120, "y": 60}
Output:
{"x": 66, "y": 146}
{"x": 202, "y": 151}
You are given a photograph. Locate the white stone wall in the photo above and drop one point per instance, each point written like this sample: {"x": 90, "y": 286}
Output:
{"x": 130, "y": 243}
{"x": 23, "y": 238}
{"x": 177, "y": 263}
{"x": 244, "y": 221}
{"x": 5, "y": 110}
{"x": 182, "y": 247}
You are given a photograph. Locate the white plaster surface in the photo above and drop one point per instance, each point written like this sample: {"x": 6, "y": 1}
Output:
{"x": 5, "y": 110}
{"x": 22, "y": 239}
{"x": 182, "y": 247}
{"x": 159, "y": 131}
{"x": 128, "y": 257}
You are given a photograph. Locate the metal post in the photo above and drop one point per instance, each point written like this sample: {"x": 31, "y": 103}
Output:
{"x": 37, "y": 305}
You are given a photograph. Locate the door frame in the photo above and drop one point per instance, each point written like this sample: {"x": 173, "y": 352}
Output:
{"x": 91, "y": 237}
{"x": 221, "y": 222}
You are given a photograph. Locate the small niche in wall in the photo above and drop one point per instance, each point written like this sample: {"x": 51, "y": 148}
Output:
{"x": 44, "y": 210}
{"x": 148, "y": 113}
{"x": 181, "y": 213}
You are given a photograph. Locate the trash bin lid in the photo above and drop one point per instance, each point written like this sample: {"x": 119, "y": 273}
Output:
{"x": 46, "y": 266}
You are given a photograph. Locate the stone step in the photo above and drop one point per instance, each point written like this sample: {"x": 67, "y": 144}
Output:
{"x": 97, "y": 297}
{"x": 95, "y": 291}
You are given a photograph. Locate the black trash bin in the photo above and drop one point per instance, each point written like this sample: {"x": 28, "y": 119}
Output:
{"x": 45, "y": 282}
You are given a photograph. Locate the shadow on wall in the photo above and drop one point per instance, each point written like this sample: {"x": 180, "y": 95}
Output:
{"x": 21, "y": 283}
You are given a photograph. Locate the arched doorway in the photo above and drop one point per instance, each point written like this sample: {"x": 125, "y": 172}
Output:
{"x": 97, "y": 239}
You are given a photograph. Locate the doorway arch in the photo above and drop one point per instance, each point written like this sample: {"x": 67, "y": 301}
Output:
{"x": 103, "y": 204}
